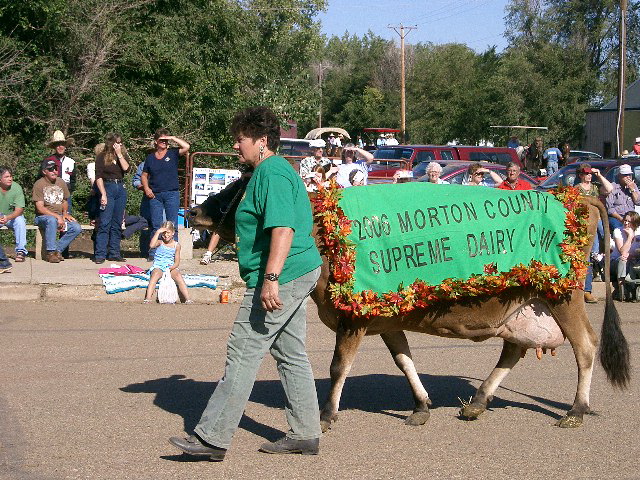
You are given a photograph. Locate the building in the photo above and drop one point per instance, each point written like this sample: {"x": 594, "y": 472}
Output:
{"x": 600, "y": 129}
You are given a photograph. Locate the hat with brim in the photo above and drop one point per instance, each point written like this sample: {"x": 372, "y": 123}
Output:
{"x": 317, "y": 143}
{"x": 625, "y": 169}
{"x": 637, "y": 139}
{"x": 58, "y": 138}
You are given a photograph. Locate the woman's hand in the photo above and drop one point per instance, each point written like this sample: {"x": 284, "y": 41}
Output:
{"x": 595, "y": 171}
{"x": 117, "y": 147}
{"x": 270, "y": 296}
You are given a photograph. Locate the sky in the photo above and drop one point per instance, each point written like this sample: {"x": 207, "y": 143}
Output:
{"x": 476, "y": 23}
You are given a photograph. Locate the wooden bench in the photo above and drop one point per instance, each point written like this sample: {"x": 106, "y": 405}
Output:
{"x": 41, "y": 251}
{"x": 184, "y": 238}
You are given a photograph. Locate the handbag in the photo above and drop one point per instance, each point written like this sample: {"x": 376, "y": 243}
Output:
{"x": 167, "y": 289}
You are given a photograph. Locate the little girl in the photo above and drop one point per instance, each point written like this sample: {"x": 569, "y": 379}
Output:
{"x": 167, "y": 257}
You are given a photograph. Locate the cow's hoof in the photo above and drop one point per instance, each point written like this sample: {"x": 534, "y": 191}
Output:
{"x": 326, "y": 421}
{"x": 569, "y": 421}
{"x": 417, "y": 418}
{"x": 471, "y": 411}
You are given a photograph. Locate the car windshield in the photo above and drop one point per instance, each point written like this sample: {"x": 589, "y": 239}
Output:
{"x": 392, "y": 153}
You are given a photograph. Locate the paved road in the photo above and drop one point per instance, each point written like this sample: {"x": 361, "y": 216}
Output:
{"x": 92, "y": 390}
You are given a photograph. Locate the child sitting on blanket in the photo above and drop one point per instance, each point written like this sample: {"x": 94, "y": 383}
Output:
{"x": 167, "y": 258}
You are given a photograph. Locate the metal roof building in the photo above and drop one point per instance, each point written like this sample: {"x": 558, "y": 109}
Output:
{"x": 600, "y": 129}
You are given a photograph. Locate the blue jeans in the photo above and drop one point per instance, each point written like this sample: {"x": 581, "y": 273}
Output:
{"x": 19, "y": 227}
{"x": 4, "y": 261}
{"x": 49, "y": 225}
{"x": 164, "y": 205}
{"x": 145, "y": 235}
{"x": 256, "y": 332}
{"x": 110, "y": 226}
{"x": 614, "y": 223}
{"x": 552, "y": 167}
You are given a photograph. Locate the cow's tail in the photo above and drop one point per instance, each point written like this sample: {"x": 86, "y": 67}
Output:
{"x": 614, "y": 349}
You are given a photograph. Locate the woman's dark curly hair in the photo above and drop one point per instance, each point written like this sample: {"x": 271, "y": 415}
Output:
{"x": 257, "y": 122}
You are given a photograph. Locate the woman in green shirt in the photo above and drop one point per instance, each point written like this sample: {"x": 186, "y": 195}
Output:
{"x": 280, "y": 263}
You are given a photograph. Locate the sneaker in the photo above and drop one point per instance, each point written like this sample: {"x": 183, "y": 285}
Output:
{"x": 98, "y": 260}
{"x": 52, "y": 257}
{"x": 206, "y": 258}
{"x": 6, "y": 269}
{"x": 20, "y": 257}
{"x": 290, "y": 445}
{"x": 589, "y": 298}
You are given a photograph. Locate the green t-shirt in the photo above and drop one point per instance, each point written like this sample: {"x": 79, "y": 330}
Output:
{"x": 275, "y": 197}
{"x": 12, "y": 199}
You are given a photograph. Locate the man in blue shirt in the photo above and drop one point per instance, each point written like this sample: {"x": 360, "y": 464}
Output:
{"x": 552, "y": 155}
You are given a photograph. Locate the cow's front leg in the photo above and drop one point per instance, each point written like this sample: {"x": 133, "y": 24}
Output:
{"x": 347, "y": 343}
{"x": 397, "y": 344}
{"x": 508, "y": 359}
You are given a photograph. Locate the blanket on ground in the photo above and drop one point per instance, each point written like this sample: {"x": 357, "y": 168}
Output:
{"x": 122, "y": 283}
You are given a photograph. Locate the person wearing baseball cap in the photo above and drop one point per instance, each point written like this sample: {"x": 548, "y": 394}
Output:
{"x": 583, "y": 182}
{"x": 309, "y": 164}
{"x": 636, "y": 146}
{"x": 623, "y": 198}
{"x": 50, "y": 195}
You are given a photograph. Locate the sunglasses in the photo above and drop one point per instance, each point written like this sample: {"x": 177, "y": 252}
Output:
{"x": 52, "y": 169}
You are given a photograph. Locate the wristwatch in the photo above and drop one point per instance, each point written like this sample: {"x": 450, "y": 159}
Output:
{"x": 272, "y": 277}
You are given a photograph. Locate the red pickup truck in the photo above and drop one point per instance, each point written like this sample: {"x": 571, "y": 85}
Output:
{"x": 388, "y": 159}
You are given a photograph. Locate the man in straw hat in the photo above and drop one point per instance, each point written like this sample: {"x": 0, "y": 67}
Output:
{"x": 65, "y": 164}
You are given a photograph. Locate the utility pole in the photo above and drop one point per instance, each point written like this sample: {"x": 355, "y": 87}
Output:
{"x": 320, "y": 68}
{"x": 400, "y": 30}
{"x": 622, "y": 75}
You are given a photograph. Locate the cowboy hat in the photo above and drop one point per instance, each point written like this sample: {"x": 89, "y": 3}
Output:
{"x": 58, "y": 139}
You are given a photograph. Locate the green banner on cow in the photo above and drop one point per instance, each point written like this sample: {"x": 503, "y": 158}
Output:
{"x": 433, "y": 232}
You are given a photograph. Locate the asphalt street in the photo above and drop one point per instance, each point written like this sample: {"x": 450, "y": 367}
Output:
{"x": 93, "y": 390}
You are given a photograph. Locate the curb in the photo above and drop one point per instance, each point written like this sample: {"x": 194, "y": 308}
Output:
{"x": 96, "y": 293}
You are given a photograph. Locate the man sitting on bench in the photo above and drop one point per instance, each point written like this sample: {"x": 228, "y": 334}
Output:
{"x": 50, "y": 195}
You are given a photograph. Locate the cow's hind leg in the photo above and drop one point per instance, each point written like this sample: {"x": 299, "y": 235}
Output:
{"x": 576, "y": 327}
{"x": 397, "y": 344}
{"x": 347, "y": 343}
{"x": 508, "y": 359}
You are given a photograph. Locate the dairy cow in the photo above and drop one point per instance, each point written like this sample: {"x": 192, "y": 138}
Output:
{"x": 520, "y": 316}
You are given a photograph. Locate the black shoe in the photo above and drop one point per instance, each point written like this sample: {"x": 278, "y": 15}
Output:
{"x": 194, "y": 446}
{"x": 98, "y": 260}
{"x": 149, "y": 259}
{"x": 116, "y": 259}
{"x": 289, "y": 445}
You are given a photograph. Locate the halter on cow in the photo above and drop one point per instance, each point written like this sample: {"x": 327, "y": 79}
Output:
{"x": 459, "y": 319}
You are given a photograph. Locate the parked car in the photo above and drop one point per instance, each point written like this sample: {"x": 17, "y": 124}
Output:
{"x": 457, "y": 174}
{"x": 297, "y": 147}
{"x": 388, "y": 159}
{"x": 581, "y": 156}
{"x": 566, "y": 176}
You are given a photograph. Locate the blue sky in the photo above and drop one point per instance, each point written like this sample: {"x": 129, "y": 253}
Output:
{"x": 476, "y": 23}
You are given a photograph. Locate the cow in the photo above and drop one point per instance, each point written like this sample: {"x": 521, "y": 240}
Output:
{"x": 522, "y": 317}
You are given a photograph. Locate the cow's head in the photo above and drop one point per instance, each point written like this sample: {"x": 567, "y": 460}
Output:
{"x": 217, "y": 212}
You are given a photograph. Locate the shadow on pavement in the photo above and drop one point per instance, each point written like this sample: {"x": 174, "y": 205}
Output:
{"x": 375, "y": 393}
